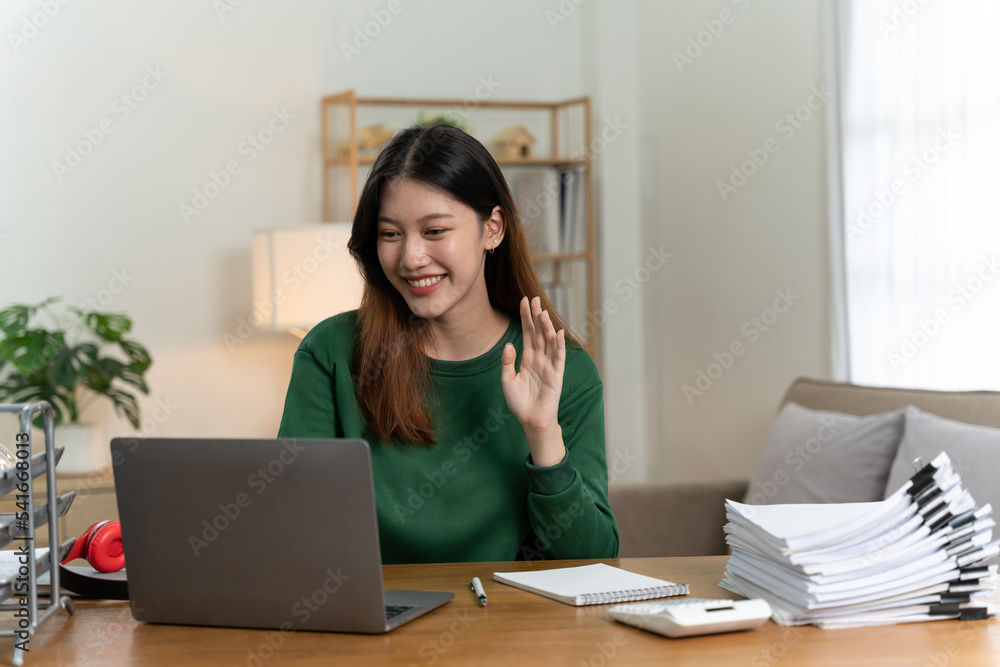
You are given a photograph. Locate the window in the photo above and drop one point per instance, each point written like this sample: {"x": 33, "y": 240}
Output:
{"x": 919, "y": 158}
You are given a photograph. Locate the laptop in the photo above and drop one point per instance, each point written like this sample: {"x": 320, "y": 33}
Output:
{"x": 271, "y": 534}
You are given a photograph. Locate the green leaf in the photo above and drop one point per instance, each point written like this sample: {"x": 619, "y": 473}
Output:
{"x": 137, "y": 355}
{"x": 64, "y": 405}
{"x": 61, "y": 412}
{"x": 87, "y": 353}
{"x": 109, "y": 326}
{"x": 28, "y": 394}
{"x": 133, "y": 377}
{"x": 101, "y": 374}
{"x": 30, "y": 353}
{"x": 125, "y": 405}
{"x": 65, "y": 370}
{"x": 14, "y": 319}
{"x": 34, "y": 393}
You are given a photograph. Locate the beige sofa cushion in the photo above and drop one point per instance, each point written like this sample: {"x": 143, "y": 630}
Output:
{"x": 660, "y": 519}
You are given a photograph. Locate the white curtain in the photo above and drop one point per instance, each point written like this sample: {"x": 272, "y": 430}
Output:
{"x": 919, "y": 114}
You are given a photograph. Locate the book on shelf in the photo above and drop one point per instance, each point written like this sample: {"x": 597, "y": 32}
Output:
{"x": 924, "y": 553}
{"x": 552, "y": 204}
{"x": 573, "y": 219}
{"x": 536, "y": 195}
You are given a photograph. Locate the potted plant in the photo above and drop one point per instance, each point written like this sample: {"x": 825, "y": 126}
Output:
{"x": 69, "y": 366}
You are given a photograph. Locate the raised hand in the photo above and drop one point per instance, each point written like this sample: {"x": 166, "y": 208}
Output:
{"x": 533, "y": 393}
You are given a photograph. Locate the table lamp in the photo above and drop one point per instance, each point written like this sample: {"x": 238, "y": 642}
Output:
{"x": 302, "y": 275}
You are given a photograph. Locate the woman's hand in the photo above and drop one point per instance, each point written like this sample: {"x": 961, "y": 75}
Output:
{"x": 533, "y": 394}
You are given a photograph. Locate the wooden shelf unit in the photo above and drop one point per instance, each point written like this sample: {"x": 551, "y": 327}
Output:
{"x": 567, "y": 141}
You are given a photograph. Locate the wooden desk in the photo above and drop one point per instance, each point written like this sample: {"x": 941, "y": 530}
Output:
{"x": 517, "y": 628}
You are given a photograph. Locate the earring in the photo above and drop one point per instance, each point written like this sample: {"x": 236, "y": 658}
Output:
{"x": 494, "y": 246}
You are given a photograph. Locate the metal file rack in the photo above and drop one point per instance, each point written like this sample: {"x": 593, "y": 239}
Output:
{"x": 22, "y": 526}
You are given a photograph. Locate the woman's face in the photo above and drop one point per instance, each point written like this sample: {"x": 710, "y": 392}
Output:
{"x": 432, "y": 249}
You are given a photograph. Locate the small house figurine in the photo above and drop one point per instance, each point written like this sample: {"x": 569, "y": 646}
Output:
{"x": 513, "y": 143}
{"x": 370, "y": 139}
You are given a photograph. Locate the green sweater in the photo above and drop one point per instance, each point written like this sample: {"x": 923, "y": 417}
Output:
{"x": 474, "y": 495}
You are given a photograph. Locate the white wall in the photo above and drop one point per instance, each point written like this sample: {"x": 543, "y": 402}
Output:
{"x": 757, "y": 63}
{"x": 610, "y": 62}
{"x": 440, "y": 49}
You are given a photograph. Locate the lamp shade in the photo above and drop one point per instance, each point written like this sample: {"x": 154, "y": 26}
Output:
{"x": 302, "y": 275}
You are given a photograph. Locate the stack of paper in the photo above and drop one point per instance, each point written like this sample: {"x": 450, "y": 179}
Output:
{"x": 918, "y": 555}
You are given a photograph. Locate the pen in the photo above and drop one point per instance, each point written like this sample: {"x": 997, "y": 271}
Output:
{"x": 477, "y": 586}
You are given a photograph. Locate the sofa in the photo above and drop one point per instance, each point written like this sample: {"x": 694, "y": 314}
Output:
{"x": 671, "y": 519}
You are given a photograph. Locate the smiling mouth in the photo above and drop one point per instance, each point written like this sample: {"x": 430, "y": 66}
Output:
{"x": 424, "y": 282}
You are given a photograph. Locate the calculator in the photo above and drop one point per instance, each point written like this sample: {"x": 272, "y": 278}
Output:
{"x": 686, "y": 617}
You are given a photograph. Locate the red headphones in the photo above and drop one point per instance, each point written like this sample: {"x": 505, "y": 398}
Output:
{"x": 101, "y": 546}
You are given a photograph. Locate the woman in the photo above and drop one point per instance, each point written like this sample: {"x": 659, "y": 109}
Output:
{"x": 486, "y": 424}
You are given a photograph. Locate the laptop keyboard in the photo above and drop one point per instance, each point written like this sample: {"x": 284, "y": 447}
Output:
{"x": 393, "y": 610}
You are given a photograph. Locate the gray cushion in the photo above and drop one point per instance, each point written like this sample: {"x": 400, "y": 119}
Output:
{"x": 816, "y": 456}
{"x": 974, "y": 452}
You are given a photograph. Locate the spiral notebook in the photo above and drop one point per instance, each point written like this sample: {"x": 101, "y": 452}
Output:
{"x": 591, "y": 584}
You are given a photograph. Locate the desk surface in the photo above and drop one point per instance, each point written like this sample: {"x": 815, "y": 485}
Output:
{"x": 516, "y": 628}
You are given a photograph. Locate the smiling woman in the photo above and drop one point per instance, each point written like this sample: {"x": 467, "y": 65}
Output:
{"x": 446, "y": 347}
